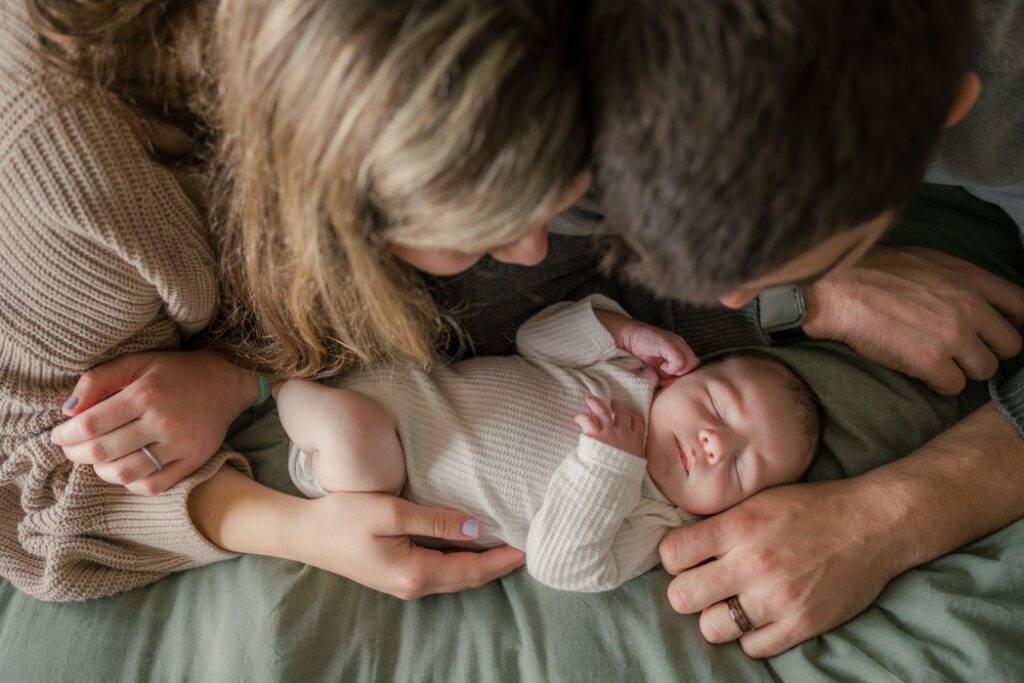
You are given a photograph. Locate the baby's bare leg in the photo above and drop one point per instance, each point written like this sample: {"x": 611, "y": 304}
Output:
{"x": 351, "y": 440}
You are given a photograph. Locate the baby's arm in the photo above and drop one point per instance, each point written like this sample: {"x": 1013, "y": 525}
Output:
{"x": 350, "y": 438}
{"x": 659, "y": 349}
{"x": 592, "y": 532}
{"x": 578, "y": 334}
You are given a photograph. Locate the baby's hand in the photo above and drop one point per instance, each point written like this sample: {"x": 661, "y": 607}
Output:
{"x": 614, "y": 426}
{"x": 661, "y": 350}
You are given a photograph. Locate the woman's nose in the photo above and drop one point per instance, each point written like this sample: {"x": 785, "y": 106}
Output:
{"x": 715, "y": 445}
{"x": 529, "y": 250}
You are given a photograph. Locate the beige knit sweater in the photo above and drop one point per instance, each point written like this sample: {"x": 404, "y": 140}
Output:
{"x": 495, "y": 437}
{"x": 102, "y": 253}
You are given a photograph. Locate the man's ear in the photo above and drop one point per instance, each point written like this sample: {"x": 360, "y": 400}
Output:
{"x": 966, "y": 95}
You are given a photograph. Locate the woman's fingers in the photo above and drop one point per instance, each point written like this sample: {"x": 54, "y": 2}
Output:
{"x": 429, "y": 571}
{"x": 409, "y": 519}
{"x": 108, "y": 447}
{"x": 104, "y": 380}
{"x": 117, "y": 411}
{"x": 158, "y": 482}
{"x": 454, "y": 571}
{"x": 128, "y": 469}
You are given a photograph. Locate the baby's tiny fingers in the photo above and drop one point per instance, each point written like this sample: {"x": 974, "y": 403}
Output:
{"x": 588, "y": 424}
{"x": 619, "y": 408}
{"x": 597, "y": 407}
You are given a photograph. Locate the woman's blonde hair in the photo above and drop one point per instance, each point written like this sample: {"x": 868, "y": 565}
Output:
{"x": 343, "y": 127}
{"x": 351, "y": 125}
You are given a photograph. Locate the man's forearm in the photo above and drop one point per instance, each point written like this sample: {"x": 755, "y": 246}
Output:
{"x": 963, "y": 484}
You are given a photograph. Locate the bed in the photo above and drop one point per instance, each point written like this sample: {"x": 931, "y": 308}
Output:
{"x": 960, "y": 617}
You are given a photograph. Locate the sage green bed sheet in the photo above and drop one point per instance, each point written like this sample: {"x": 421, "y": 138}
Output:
{"x": 960, "y": 617}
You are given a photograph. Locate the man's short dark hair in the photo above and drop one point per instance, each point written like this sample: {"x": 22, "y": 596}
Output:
{"x": 733, "y": 135}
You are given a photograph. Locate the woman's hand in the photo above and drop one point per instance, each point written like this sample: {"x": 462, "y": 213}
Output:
{"x": 178, "y": 404}
{"x": 368, "y": 537}
{"x": 659, "y": 349}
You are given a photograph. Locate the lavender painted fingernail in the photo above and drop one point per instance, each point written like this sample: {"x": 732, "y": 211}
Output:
{"x": 471, "y": 528}
{"x": 70, "y": 403}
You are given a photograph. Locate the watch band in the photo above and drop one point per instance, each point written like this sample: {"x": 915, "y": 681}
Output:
{"x": 782, "y": 312}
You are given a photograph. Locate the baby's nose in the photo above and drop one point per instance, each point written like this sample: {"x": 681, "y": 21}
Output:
{"x": 714, "y": 444}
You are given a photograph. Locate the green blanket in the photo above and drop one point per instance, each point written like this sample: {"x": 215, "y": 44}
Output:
{"x": 256, "y": 619}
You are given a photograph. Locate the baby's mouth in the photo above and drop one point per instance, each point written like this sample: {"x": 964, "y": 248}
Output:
{"x": 684, "y": 458}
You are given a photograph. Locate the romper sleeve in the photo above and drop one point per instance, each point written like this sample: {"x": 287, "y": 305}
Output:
{"x": 593, "y": 531}
{"x": 568, "y": 334}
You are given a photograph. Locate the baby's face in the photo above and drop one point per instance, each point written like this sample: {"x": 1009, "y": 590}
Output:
{"x": 722, "y": 433}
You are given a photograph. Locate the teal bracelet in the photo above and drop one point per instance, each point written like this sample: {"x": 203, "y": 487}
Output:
{"x": 264, "y": 391}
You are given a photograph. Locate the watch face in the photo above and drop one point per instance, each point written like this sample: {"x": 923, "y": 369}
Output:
{"x": 782, "y": 308}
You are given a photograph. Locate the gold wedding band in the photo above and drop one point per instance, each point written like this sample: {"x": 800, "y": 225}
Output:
{"x": 738, "y": 616}
{"x": 152, "y": 458}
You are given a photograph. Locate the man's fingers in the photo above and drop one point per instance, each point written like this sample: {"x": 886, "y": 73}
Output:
{"x": 771, "y": 639}
{"x": 1005, "y": 296}
{"x": 717, "y": 626}
{"x": 104, "y": 380}
{"x": 96, "y": 421}
{"x": 688, "y": 546}
{"x": 455, "y": 571}
{"x": 697, "y": 589}
{"x": 999, "y": 334}
{"x": 976, "y": 360}
{"x": 943, "y": 375}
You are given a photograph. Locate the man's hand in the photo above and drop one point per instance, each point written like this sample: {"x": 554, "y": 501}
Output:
{"x": 802, "y": 559}
{"x": 921, "y": 312}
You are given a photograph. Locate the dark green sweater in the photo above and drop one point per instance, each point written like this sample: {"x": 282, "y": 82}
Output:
{"x": 984, "y": 153}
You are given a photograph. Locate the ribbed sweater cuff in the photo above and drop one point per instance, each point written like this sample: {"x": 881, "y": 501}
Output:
{"x": 163, "y": 523}
{"x": 1008, "y": 393}
{"x": 616, "y": 460}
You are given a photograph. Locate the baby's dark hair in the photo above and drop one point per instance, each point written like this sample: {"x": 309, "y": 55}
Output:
{"x": 807, "y": 408}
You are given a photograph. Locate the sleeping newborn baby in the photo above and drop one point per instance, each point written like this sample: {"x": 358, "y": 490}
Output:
{"x": 500, "y": 438}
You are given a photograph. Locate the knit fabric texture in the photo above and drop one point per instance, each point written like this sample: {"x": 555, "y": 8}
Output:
{"x": 495, "y": 437}
{"x": 103, "y": 254}
{"x": 984, "y": 153}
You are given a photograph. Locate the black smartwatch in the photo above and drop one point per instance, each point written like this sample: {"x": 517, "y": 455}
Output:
{"x": 782, "y": 313}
